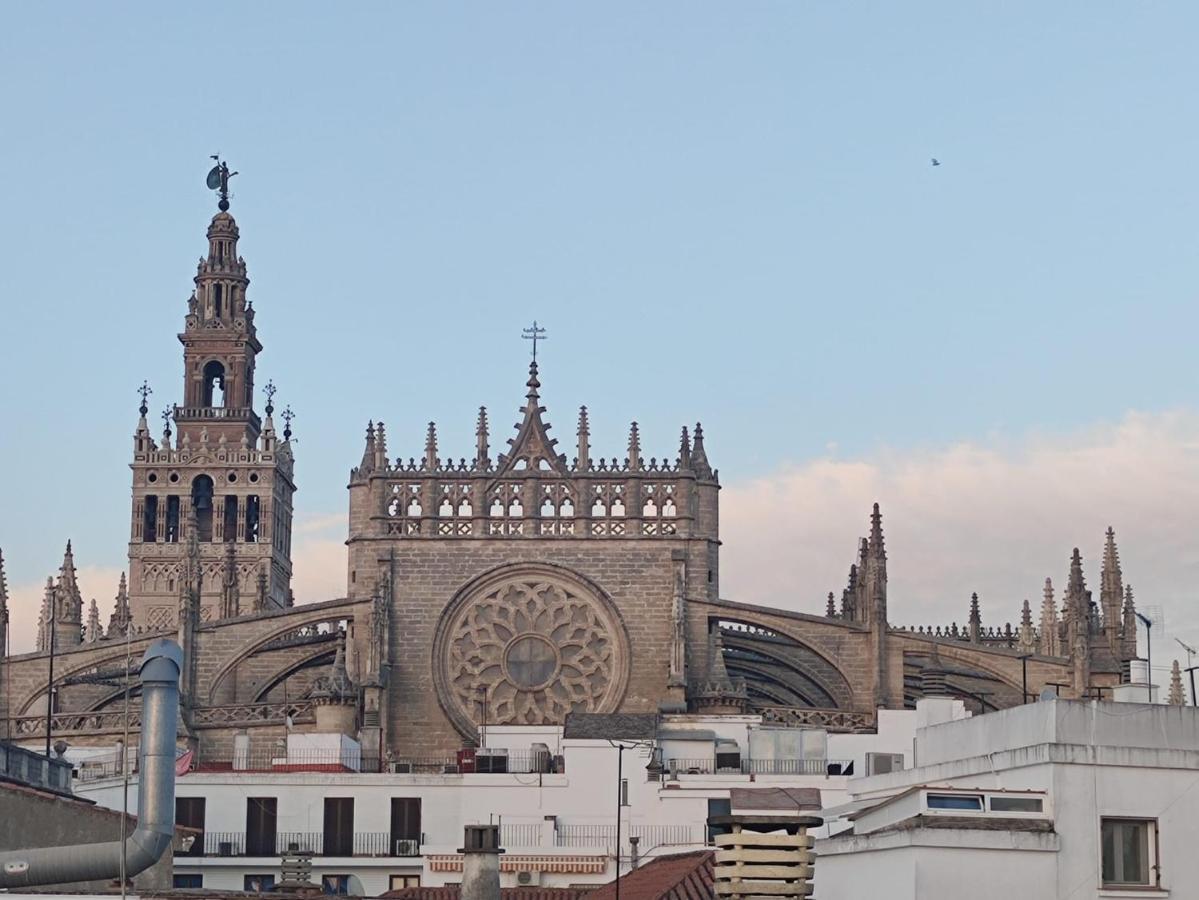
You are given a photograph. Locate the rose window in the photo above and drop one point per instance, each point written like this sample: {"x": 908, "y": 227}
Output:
{"x": 528, "y": 648}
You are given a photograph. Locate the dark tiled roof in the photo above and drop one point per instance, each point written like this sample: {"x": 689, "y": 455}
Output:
{"x": 789, "y": 799}
{"x": 513, "y": 893}
{"x": 629, "y": 726}
{"x": 685, "y": 876}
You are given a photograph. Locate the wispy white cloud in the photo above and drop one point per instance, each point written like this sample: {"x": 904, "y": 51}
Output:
{"x": 994, "y": 516}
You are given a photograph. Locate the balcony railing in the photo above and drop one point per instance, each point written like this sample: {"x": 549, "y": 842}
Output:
{"x": 206, "y": 413}
{"x": 709, "y": 766}
{"x": 278, "y": 759}
{"x": 360, "y": 843}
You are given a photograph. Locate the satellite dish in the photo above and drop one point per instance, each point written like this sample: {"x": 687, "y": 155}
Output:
{"x": 214, "y": 178}
{"x": 1047, "y": 694}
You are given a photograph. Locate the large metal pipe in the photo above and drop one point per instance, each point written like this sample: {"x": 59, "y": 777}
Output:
{"x": 160, "y": 670}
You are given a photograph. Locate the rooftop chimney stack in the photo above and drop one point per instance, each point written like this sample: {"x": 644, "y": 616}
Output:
{"x": 481, "y": 863}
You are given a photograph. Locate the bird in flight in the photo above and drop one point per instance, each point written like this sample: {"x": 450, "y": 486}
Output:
{"x": 936, "y": 162}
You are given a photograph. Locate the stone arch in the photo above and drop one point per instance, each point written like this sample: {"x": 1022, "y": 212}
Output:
{"x": 538, "y": 639}
{"x": 323, "y": 656}
{"x": 803, "y": 668}
{"x": 292, "y": 622}
{"x": 118, "y": 656}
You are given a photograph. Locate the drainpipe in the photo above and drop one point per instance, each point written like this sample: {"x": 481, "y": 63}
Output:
{"x": 155, "y": 802}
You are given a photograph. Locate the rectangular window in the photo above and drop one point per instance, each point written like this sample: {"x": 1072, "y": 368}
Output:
{"x": 150, "y": 520}
{"x": 405, "y": 826}
{"x": 261, "y": 818}
{"x": 1129, "y": 852}
{"x": 172, "y": 534}
{"x": 1017, "y": 804}
{"x": 189, "y": 812}
{"x": 399, "y": 882}
{"x": 180, "y": 880}
{"x": 339, "y": 826}
{"x": 252, "y": 511}
{"x": 955, "y": 801}
{"x": 624, "y": 792}
{"x": 258, "y": 883}
{"x": 335, "y": 884}
{"x": 230, "y": 531}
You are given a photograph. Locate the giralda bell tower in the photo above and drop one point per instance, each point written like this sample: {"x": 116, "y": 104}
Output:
{"x": 214, "y": 497}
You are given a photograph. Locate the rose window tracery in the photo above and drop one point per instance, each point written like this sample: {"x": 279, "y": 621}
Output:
{"x": 533, "y": 646}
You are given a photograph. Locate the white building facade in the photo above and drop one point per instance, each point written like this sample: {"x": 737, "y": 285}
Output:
{"x": 1055, "y": 799}
{"x": 555, "y": 795}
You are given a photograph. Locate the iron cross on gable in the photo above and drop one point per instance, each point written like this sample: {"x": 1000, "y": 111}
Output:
{"x": 535, "y": 334}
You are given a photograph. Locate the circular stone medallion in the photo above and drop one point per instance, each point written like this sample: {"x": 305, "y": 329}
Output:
{"x": 533, "y": 642}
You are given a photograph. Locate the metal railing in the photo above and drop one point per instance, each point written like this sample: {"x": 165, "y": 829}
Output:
{"x": 709, "y": 766}
{"x": 520, "y": 762}
{"x": 584, "y": 835}
{"x": 279, "y": 759}
{"x": 522, "y": 834}
{"x": 649, "y": 837}
{"x": 360, "y": 843}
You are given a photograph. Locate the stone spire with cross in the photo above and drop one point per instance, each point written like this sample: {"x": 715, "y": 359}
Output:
{"x": 223, "y": 467}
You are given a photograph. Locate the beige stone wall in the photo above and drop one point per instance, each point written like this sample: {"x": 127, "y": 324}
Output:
{"x": 636, "y": 575}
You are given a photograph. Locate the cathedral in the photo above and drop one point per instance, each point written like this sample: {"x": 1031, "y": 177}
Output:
{"x": 513, "y": 585}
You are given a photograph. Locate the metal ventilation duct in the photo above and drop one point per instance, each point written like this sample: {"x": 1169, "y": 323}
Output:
{"x": 160, "y": 670}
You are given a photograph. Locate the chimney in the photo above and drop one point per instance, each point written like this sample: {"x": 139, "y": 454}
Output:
{"x": 753, "y": 859}
{"x": 481, "y": 863}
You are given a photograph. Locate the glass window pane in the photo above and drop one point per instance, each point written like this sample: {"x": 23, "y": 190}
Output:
{"x": 1109, "y": 852}
{"x": 1125, "y": 851}
{"x": 1136, "y": 853}
{"x": 1016, "y": 804}
{"x": 953, "y": 801}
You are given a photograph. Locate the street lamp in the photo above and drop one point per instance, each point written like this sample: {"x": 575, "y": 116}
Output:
{"x": 1148, "y": 623}
{"x": 1024, "y": 675}
{"x": 621, "y": 798}
{"x": 1191, "y": 651}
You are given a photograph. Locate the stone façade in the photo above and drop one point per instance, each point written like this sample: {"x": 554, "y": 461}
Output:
{"x": 604, "y": 572}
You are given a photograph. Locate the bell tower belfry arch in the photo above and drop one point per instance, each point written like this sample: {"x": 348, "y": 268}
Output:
{"x": 222, "y": 470}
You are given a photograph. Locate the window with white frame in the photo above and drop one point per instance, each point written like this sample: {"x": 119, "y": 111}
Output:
{"x": 1129, "y": 852}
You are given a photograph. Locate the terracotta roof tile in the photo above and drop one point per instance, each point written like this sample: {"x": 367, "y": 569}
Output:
{"x": 640, "y": 726}
{"x": 512, "y": 893}
{"x": 684, "y": 876}
{"x": 775, "y": 798}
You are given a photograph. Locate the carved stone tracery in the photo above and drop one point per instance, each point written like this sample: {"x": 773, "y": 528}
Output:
{"x": 532, "y": 642}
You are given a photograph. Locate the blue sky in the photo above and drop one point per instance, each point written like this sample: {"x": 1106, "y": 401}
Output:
{"x": 722, "y": 212}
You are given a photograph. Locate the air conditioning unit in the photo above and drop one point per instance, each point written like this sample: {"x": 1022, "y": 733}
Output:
{"x": 528, "y": 879}
{"x": 407, "y": 847}
{"x": 493, "y": 761}
{"x": 401, "y": 768}
{"x": 881, "y": 763}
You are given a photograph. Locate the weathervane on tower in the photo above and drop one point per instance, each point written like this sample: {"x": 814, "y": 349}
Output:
{"x": 534, "y": 334}
{"x": 218, "y": 180}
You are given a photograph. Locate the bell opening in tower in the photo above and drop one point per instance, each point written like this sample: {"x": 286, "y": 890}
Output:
{"x": 202, "y": 504}
{"x": 214, "y": 384}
